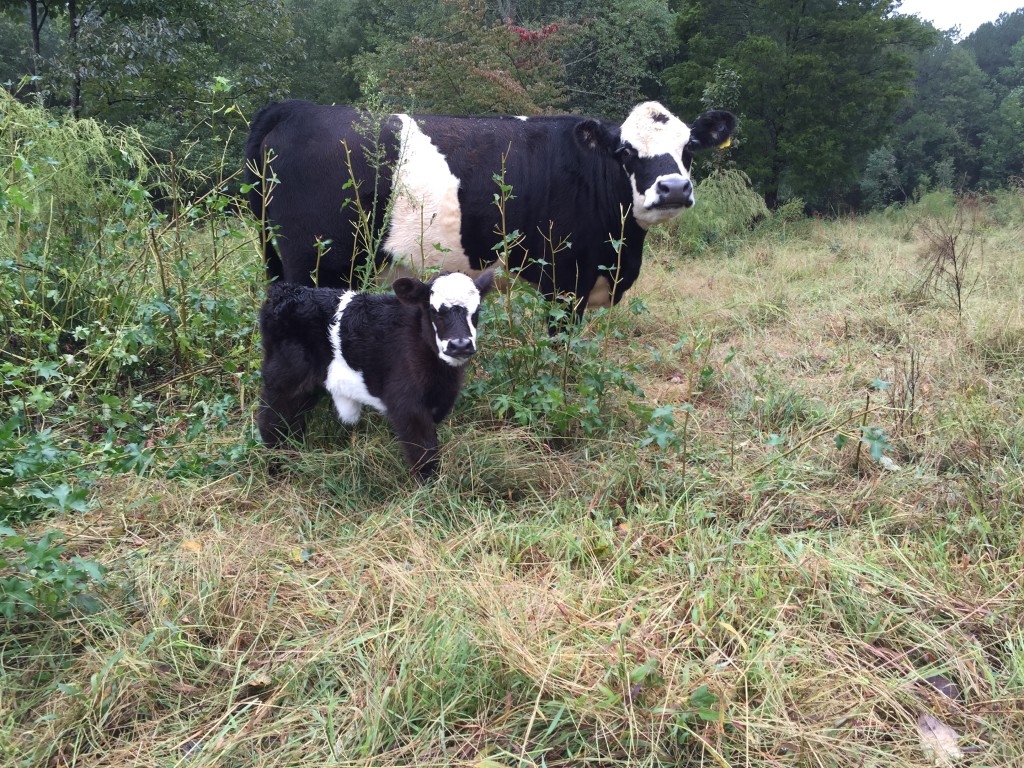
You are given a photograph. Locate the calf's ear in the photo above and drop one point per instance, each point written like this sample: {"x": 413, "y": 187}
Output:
{"x": 712, "y": 129}
{"x": 485, "y": 282}
{"x": 595, "y": 136}
{"x": 409, "y": 290}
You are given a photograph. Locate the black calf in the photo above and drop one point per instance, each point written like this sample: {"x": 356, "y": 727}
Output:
{"x": 401, "y": 354}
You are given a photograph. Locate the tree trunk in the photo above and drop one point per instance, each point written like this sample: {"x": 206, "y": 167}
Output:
{"x": 36, "y": 24}
{"x": 36, "y": 21}
{"x": 76, "y": 78}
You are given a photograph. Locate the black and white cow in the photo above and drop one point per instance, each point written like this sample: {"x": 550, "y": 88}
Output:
{"x": 401, "y": 354}
{"x": 579, "y": 187}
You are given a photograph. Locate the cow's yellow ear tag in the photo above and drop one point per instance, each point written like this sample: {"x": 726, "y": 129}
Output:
{"x": 726, "y": 143}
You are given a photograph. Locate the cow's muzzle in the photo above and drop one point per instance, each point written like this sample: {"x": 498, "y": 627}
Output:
{"x": 670, "y": 192}
{"x": 459, "y": 348}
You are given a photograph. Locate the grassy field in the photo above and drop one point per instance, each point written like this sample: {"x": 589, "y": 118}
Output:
{"x": 803, "y": 548}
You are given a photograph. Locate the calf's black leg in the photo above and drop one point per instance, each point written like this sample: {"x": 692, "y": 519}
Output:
{"x": 418, "y": 436}
{"x": 292, "y": 385}
{"x": 283, "y": 414}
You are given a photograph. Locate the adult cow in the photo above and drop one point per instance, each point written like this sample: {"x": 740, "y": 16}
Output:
{"x": 584, "y": 192}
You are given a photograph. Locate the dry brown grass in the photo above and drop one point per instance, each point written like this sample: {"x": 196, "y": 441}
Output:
{"x": 745, "y": 603}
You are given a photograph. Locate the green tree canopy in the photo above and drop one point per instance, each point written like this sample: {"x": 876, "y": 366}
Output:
{"x": 587, "y": 56}
{"x": 938, "y": 134}
{"x": 456, "y": 58}
{"x": 613, "y": 54}
{"x": 963, "y": 124}
{"x": 1003, "y": 142}
{"x": 818, "y": 83}
{"x": 149, "y": 60}
{"x": 993, "y": 42}
{"x": 333, "y": 33}
{"x": 155, "y": 59}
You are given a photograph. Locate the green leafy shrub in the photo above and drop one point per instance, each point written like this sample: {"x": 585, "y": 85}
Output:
{"x": 791, "y": 211}
{"x": 103, "y": 299}
{"x": 35, "y": 577}
{"x": 562, "y": 384}
{"x": 64, "y": 168}
{"x": 727, "y": 208}
{"x": 880, "y": 185}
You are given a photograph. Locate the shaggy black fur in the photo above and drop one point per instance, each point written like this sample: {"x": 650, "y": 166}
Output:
{"x": 566, "y": 173}
{"x": 389, "y": 339}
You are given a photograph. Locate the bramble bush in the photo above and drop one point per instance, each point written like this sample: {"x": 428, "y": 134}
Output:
{"x": 126, "y": 332}
{"x": 561, "y": 384}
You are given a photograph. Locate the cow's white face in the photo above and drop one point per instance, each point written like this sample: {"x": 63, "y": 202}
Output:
{"x": 655, "y": 152}
{"x": 454, "y": 311}
{"x": 451, "y": 303}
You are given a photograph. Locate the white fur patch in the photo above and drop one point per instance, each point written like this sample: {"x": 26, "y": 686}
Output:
{"x": 425, "y": 206}
{"x": 455, "y": 290}
{"x": 345, "y": 384}
{"x": 650, "y": 136}
{"x": 666, "y": 135}
{"x": 601, "y": 293}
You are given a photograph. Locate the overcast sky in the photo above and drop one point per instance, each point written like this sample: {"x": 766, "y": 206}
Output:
{"x": 966, "y": 14}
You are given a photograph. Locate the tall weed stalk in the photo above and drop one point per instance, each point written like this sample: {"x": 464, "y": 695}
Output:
{"x": 950, "y": 254}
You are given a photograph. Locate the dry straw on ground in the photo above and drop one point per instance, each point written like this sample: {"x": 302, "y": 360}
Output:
{"x": 759, "y": 599}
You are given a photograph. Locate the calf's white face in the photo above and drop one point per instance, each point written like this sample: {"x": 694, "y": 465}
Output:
{"x": 655, "y": 156}
{"x": 454, "y": 307}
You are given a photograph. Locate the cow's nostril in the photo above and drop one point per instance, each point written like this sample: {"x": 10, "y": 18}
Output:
{"x": 674, "y": 191}
{"x": 460, "y": 347}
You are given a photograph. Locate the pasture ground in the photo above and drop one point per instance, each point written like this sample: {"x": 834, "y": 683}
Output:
{"x": 819, "y": 563}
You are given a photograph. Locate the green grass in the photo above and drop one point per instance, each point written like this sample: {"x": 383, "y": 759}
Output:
{"x": 741, "y": 593}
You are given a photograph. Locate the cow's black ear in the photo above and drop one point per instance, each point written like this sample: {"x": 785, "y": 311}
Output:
{"x": 712, "y": 129}
{"x": 595, "y": 136}
{"x": 625, "y": 153}
{"x": 411, "y": 291}
{"x": 485, "y": 282}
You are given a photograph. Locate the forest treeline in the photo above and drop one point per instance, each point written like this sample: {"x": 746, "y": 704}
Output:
{"x": 843, "y": 104}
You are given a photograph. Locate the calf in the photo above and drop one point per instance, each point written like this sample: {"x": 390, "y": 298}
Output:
{"x": 402, "y": 355}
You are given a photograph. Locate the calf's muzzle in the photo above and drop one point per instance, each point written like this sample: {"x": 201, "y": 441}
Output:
{"x": 459, "y": 348}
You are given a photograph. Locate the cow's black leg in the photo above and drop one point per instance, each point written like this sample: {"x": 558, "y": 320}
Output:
{"x": 291, "y": 387}
{"x": 282, "y": 414}
{"x": 418, "y": 436}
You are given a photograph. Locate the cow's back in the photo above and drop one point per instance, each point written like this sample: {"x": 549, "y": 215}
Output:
{"x": 313, "y": 161}
{"x": 567, "y": 201}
